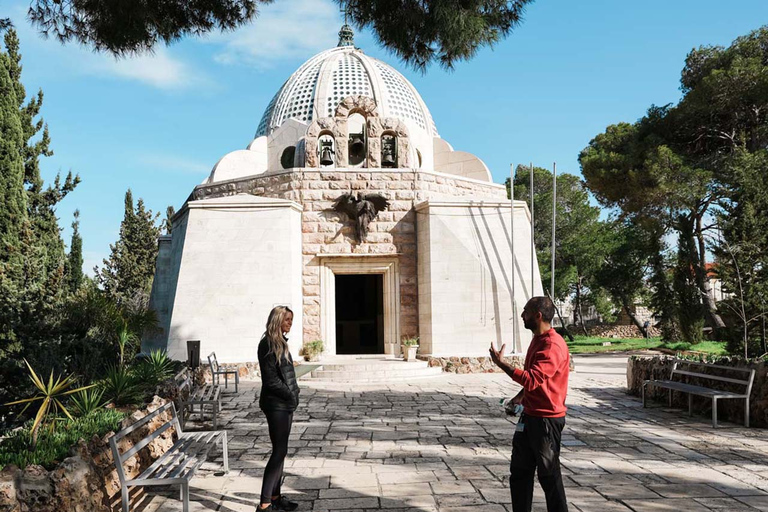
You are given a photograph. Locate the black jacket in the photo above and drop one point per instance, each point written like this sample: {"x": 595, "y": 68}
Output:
{"x": 279, "y": 390}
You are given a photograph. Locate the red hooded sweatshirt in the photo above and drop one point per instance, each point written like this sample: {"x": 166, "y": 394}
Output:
{"x": 545, "y": 377}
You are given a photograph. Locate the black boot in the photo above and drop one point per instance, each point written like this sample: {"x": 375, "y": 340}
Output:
{"x": 282, "y": 503}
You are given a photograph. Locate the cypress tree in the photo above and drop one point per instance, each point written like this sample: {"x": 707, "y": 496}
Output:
{"x": 127, "y": 274}
{"x": 75, "y": 257}
{"x": 13, "y": 216}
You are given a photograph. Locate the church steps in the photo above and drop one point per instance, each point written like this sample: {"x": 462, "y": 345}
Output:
{"x": 373, "y": 371}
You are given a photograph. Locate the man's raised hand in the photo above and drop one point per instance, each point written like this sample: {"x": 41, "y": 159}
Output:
{"x": 497, "y": 355}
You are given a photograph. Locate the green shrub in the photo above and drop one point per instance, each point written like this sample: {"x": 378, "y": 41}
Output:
{"x": 53, "y": 445}
{"x": 86, "y": 401}
{"x": 410, "y": 342}
{"x": 121, "y": 387}
{"x": 311, "y": 350}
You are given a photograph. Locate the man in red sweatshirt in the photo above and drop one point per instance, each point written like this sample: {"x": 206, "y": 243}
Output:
{"x": 536, "y": 444}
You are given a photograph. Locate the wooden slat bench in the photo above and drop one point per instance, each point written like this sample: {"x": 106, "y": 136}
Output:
{"x": 217, "y": 371}
{"x": 207, "y": 398}
{"x": 711, "y": 392}
{"x": 177, "y": 466}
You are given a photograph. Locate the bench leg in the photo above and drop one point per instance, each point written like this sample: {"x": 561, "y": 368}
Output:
{"x": 643, "y": 392}
{"x": 225, "y": 452}
{"x": 670, "y": 398}
{"x": 746, "y": 412}
{"x": 185, "y": 496}
{"x": 714, "y": 412}
{"x": 215, "y": 414}
{"x": 690, "y": 404}
{"x": 237, "y": 380}
{"x": 124, "y": 498}
{"x": 226, "y": 380}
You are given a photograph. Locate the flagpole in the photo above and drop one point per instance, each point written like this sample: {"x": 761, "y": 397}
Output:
{"x": 533, "y": 247}
{"x": 554, "y": 220}
{"x": 512, "y": 249}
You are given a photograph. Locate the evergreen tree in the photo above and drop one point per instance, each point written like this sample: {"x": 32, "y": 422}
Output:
{"x": 444, "y": 31}
{"x": 32, "y": 257}
{"x": 127, "y": 274}
{"x": 75, "y": 257}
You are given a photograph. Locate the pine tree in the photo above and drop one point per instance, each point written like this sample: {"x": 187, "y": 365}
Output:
{"x": 127, "y": 274}
{"x": 75, "y": 257}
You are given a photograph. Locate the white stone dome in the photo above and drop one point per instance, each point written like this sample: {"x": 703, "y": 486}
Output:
{"x": 321, "y": 83}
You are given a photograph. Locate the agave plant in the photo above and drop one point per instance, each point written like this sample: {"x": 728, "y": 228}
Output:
{"x": 50, "y": 394}
{"x": 87, "y": 401}
{"x": 120, "y": 386}
{"x": 153, "y": 368}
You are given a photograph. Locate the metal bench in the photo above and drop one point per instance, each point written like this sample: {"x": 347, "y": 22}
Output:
{"x": 207, "y": 398}
{"x": 711, "y": 392}
{"x": 177, "y": 466}
{"x": 217, "y": 371}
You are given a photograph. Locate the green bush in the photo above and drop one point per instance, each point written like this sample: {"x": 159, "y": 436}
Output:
{"x": 409, "y": 342}
{"x": 53, "y": 445}
{"x": 86, "y": 401}
{"x": 311, "y": 350}
{"x": 121, "y": 386}
{"x": 153, "y": 369}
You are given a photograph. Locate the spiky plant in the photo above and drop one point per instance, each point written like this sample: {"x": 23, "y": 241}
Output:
{"x": 50, "y": 395}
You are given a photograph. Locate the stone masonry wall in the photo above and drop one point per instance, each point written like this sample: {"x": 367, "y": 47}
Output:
{"x": 327, "y": 232}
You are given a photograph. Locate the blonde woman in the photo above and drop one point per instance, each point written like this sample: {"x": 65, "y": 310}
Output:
{"x": 278, "y": 399}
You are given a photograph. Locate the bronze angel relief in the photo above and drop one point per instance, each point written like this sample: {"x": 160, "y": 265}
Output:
{"x": 361, "y": 209}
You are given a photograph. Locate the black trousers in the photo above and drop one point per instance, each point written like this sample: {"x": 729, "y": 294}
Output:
{"x": 537, "y": 447}
{"x": 279, "y": 423}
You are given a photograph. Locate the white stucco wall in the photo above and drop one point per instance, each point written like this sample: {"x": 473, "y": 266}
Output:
{"x": 465, "y": 277}
{"x": 232, "y": 259}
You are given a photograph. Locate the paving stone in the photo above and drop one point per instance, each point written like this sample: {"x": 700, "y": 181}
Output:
{"x": 443, "y": 444}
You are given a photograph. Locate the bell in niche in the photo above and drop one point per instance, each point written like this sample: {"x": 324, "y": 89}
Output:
{"x": 326, "y": 152}
{"x": 388, "y": 151}
{"x": 356, "y": 148}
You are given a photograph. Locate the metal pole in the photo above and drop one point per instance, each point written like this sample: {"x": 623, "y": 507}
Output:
{"x": 533, "y": 247}
{"x": 554, "y": 221}
{"x": 512, "y": 249}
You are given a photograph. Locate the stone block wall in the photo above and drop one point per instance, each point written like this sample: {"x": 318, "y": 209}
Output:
{"x": 640, "y": 369}
{"x": 87, "y": 480}
{"x": 324, "y": 231}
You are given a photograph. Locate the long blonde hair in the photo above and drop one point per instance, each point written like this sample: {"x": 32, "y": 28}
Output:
{"x": 274, "y": 334}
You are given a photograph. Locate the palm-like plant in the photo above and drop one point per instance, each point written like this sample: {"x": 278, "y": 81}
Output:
{"x": 86, "y": 401}
{"x": 51, "y": 394}
{"x": 125, "y": 338}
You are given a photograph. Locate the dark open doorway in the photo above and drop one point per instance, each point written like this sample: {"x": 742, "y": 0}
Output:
{"x": 359, "y": 314}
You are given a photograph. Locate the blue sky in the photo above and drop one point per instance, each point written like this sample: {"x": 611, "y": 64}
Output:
{"x": 158, "y": 123}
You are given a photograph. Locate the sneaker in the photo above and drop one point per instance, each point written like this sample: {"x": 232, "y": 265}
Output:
{"x": 282, "y": 503}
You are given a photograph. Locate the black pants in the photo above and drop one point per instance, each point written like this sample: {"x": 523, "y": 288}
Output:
{"x": 279, "y": 423}
{"x": 537, "y": 447}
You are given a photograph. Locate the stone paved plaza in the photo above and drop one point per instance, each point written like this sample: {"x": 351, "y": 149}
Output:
{"x": 443, "y": 444}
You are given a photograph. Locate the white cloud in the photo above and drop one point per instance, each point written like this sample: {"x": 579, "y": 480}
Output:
{"x": 175, "y": 163}
{"x": 159, "y": 69}
{"x": 285, "y": 29}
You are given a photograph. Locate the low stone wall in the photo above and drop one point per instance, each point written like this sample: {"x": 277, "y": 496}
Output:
{"x": 616, "y": 331}
{"x": 470, "y": 364}
{"x": 641, "y": 368}
{"x": 87, "y": 480}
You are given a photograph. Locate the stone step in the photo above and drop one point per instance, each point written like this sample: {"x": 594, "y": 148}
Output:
{"x": 372, "y": 371}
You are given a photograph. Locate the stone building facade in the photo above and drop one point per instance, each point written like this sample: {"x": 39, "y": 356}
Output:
{"x": 261, "y": 230}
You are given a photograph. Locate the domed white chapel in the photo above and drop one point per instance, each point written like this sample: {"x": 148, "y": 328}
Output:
{"x": 419, "y": 246}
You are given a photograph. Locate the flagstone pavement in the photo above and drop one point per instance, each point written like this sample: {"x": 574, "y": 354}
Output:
{"x": 443, "y": 444}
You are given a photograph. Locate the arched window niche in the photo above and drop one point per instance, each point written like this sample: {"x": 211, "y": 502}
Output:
{"x": 358, "y": 139}
{"x": 326, "y": 150}
{"x": 388, "y": 150}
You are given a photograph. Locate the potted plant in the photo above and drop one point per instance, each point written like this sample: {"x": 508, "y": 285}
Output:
{"x": 312, "y": 350}
{"x": 409, "y": 347}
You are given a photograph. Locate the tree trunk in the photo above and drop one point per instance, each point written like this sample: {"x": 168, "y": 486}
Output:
{"x": 633, "y": 317}
{"x": 578, "y": 306}
{"x": 702, "y": 279}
